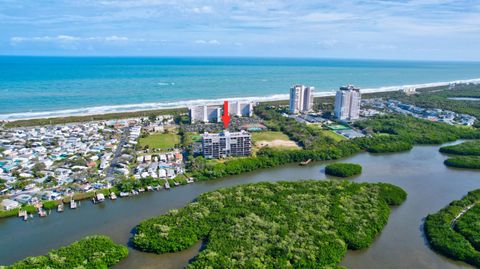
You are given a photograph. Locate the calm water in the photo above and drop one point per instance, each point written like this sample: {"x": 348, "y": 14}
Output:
{"x": 430, "y": 186}
{"x": 98, "y": 85}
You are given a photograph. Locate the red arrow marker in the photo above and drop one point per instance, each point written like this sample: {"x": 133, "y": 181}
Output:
{"x": 225, "y": 117}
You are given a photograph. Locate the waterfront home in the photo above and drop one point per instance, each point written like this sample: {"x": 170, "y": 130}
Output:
{"x": 162, "y": 173}
{"x": 23, "y": 198}
{"x": 8, "y": 204}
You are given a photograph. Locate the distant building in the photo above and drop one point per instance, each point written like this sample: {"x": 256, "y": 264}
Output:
{"x": 301, "y": 99}
{"x": 240, "y": 109}
{"x": 205, "y": 114}
{"x": 347, "y": 103}
{"x": 409, "y": 90}
{"x": 226, "y": 144}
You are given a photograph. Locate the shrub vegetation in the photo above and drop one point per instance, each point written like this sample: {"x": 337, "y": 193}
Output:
{"x": 470, "y": 162}
{"x": 391, "y": 133}
{"x": 91, "y": 252}
{"x": 456, "y": 239}
{"x": 307, "y": 224}
{"x": 466, "y": 148}
{"x": 343, "y": 169}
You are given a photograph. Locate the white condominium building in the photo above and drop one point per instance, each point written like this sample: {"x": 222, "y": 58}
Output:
{"x": 240, "y": 109}
{"x": 301, "y": 99}
{"x": 205, "y": 114}
{"x": 347, "y": 103}
{"x": 226, "y": 144}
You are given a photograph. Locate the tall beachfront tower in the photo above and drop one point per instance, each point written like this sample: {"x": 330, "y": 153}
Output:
{"x": 205, "y": 114}
{"x": 347, "y": 103}
{"x": 301, "y": 99}
{"x": 240, "y": 109}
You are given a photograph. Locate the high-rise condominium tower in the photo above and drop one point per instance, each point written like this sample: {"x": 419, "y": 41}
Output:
{"x": 301, "y": 99}
{"x": 347, "y": 103}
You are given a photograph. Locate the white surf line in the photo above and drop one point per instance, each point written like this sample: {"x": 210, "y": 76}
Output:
{"x": 100, "y": 110}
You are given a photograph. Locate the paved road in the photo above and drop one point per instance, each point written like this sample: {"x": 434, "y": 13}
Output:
{"x": 118, "y": 152}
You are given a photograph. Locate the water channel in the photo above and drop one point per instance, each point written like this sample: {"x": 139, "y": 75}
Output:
{"x": 430, "y": 186}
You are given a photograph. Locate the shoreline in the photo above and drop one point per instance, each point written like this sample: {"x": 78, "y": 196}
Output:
{"x": 136, "y": 110}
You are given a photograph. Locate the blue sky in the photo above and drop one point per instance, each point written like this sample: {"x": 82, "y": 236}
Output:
{"x": 383, "y": 29}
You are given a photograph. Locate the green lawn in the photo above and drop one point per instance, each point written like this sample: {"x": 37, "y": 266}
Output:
{"x": 269, "y": 136}
{"x": 195, "y": 137}
{"x": 160, "y": 141}
{"x": 333, "y": 135}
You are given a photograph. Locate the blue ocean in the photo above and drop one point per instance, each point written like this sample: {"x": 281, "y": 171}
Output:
{"x": 57, "y": 86}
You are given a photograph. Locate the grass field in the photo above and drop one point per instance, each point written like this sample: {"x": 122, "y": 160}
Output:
{"x": 269, "y": 136}
{"x": 333, "y": 135}
{"x": 160, "y": 141}
{"x": 194, "y": 137}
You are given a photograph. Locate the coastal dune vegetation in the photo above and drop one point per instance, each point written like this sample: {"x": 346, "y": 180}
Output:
{"x": 99, "y": 117}
{"x": 91, "y": 252}
{"x": 454, "y": 231}
{"x": 306, "y": 224}
{"x": 343, "y": 169}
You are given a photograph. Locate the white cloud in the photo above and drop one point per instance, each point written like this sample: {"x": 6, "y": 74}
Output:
{"x": 327, "y": 44}
{"x": 326, "y": 17}
{"x": 387, "y": 28}
{"x": 116, "y": 38}
{"x": 207, "y": 42}
{"x": 203, "y": 10}
{"x": 68, "y": 39}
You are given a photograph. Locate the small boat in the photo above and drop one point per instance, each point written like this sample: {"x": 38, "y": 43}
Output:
{"x": 73, "y": 204}
{"x": 306, "y": 162}
{"x": 149, "y": 188}
{"x": 60, "y": 208}
{"x": 167, "y": 185}
{"x": 42, "y": 213}
{"x": 141, "y": 190}
{"x": 124, "y": 194}
{"x": 176, "y": 183}
{"x": 158, "y": 187}
{"x": 189, "y": 180}
{"x": 134, "y": 192}
{"x": 113, "y": 196}
{"x": 25, "y": 217}
{"x": 99, "y": 197}
{"x": 22, "y": 213}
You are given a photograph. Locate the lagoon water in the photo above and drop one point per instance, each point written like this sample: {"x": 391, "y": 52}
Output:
{"x": 82, "y": 85}
{"x": 430, "y": 186}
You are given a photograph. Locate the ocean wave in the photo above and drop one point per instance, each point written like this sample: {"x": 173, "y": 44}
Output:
{"x": 88, "y": 111}
{"x": 166, "y": 83}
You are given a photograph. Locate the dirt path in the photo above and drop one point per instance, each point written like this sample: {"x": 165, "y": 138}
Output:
{"x": 465, "y": 210}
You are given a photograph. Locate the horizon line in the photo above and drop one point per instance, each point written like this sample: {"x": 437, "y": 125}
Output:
{"x": 240, "y": 57}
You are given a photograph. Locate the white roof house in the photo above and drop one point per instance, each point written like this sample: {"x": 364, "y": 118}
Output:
{"x": 8, "y": 204}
